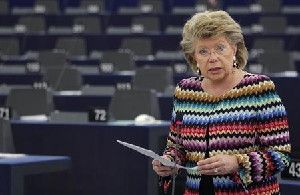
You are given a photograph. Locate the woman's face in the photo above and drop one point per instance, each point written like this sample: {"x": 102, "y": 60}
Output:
{"x": 214, "y": 57}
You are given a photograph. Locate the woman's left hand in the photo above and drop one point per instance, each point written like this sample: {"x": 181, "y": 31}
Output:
{"x": 220, "y": 164}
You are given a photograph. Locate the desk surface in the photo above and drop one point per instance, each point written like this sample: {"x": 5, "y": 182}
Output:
{"x": 14, "y": 168}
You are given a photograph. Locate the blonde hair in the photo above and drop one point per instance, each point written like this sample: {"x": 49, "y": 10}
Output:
{"x": 211, "y": 24}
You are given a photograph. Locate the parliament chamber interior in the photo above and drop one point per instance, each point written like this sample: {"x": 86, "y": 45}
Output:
{"x": 75, "y": 74}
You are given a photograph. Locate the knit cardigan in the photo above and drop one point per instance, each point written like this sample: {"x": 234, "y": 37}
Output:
{"x": 248, "y": 121}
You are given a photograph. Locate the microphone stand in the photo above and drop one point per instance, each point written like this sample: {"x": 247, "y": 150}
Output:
{"x": 178, "y": 122}
{"x": 174, "y": 175}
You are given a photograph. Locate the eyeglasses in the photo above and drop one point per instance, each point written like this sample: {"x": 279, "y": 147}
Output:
{"x": 219, "y": 49}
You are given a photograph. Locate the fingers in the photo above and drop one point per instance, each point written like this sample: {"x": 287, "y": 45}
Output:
{"x": 208, "y": 161}
{"x": 162, "y": 170}
{"x": 211, "y": 166}
{"x": 213, "y": 171}
{"x": 218, "y": 165}
{"x": 156, "y": 162}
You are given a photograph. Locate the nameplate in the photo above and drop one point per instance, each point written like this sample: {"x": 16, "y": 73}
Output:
{"x": 40, "y": 85}
{"x": 98, "y": 115}
{"x": 106, "y": 68}
{"x": 123, "y": 86}
{"x": 33, "y": 67}
{"x": 293, "y": 170}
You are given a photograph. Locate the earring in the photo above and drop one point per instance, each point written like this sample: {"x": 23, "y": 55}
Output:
{"x": 198, "y": 71}
{"x": 235, "y": 65}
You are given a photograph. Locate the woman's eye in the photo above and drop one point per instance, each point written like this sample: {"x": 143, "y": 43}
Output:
{"x": 220, "y": 48}
{"x": 203, "y": 51}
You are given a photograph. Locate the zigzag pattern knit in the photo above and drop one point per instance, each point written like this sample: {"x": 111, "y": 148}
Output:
{"x": 248, "y": 121}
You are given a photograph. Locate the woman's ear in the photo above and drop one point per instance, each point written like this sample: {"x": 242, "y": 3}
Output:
{"x": 234, "y": 47}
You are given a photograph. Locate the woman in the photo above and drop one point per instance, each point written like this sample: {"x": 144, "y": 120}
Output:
{"x": 233, "y": 125}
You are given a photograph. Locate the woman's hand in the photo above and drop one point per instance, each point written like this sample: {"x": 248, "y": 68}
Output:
{"x": 162, "y": 170}
{"x": 220, "y": 164}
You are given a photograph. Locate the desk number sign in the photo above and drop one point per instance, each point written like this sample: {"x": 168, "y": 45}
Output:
{"x": 98, "y": 115}
{"x": 293, "y": 171}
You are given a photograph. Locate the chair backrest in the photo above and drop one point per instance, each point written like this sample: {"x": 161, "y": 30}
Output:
{"x": 6, "y": 137}
{"x": 139, "y": 46}
{"x": 52, "y": 59}
{"x": 128, "y": 104}
{"x": 156, "y": 78}
{"x": 273, "y": 24}
{"x": 149, "y": 23}
{"x": 269, "y": 44}
{"x": 276, "y": 62}
{"x": 91, "y": 24}
{"x": 33, "y": 23}
{"x": 121, "y": 60}
{"x": 51, "y": 6}
{"x": 268, "y": 6}
{"x": 63, "y": 79}
{"x": 28, "y": 101}
{"x": 9, "y": 46}
{"x": 72, "y": 45}
{"x": 4, "y": 7}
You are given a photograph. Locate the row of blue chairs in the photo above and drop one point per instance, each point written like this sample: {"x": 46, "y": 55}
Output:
{"x": 161, "y": 24}
{"x": 144, "y": 6}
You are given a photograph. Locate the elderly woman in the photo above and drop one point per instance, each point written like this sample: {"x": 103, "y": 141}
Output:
{"x": 227, "y": 122}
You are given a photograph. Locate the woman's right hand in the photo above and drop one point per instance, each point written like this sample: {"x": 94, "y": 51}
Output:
{"x": 162, "y": 170}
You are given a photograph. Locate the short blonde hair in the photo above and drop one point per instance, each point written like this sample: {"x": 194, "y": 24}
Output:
{"x": 211, "y": 24}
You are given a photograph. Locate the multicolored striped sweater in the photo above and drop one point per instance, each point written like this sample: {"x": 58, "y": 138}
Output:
{"x": 248, "y": 121}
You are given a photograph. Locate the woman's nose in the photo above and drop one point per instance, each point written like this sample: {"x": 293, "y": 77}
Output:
{"x": 212, "y": 57}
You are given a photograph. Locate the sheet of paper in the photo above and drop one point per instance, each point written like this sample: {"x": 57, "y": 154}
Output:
{"x": 153, "y": 155}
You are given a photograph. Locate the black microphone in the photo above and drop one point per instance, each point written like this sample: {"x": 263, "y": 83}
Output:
{"x": 177, "y": 126}
{"x": 178, "y": 120}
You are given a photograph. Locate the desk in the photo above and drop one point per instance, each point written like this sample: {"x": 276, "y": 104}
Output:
{"x": 85, "y": 103}
{"x": 99, "y": 164}
{"x": 14, "y": 169}
{"x": 289, "y": 187}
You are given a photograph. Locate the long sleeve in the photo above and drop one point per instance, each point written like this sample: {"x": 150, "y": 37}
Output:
{"x": 272, "y": 139}
{"x": 174, "y": 149}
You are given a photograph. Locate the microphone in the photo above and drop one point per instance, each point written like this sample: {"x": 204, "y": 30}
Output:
{"x": 178, "y": 126}
{"x": 178, "y": 120}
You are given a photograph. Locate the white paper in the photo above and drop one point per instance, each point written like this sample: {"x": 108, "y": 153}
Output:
{"x": 153, "y": 155}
